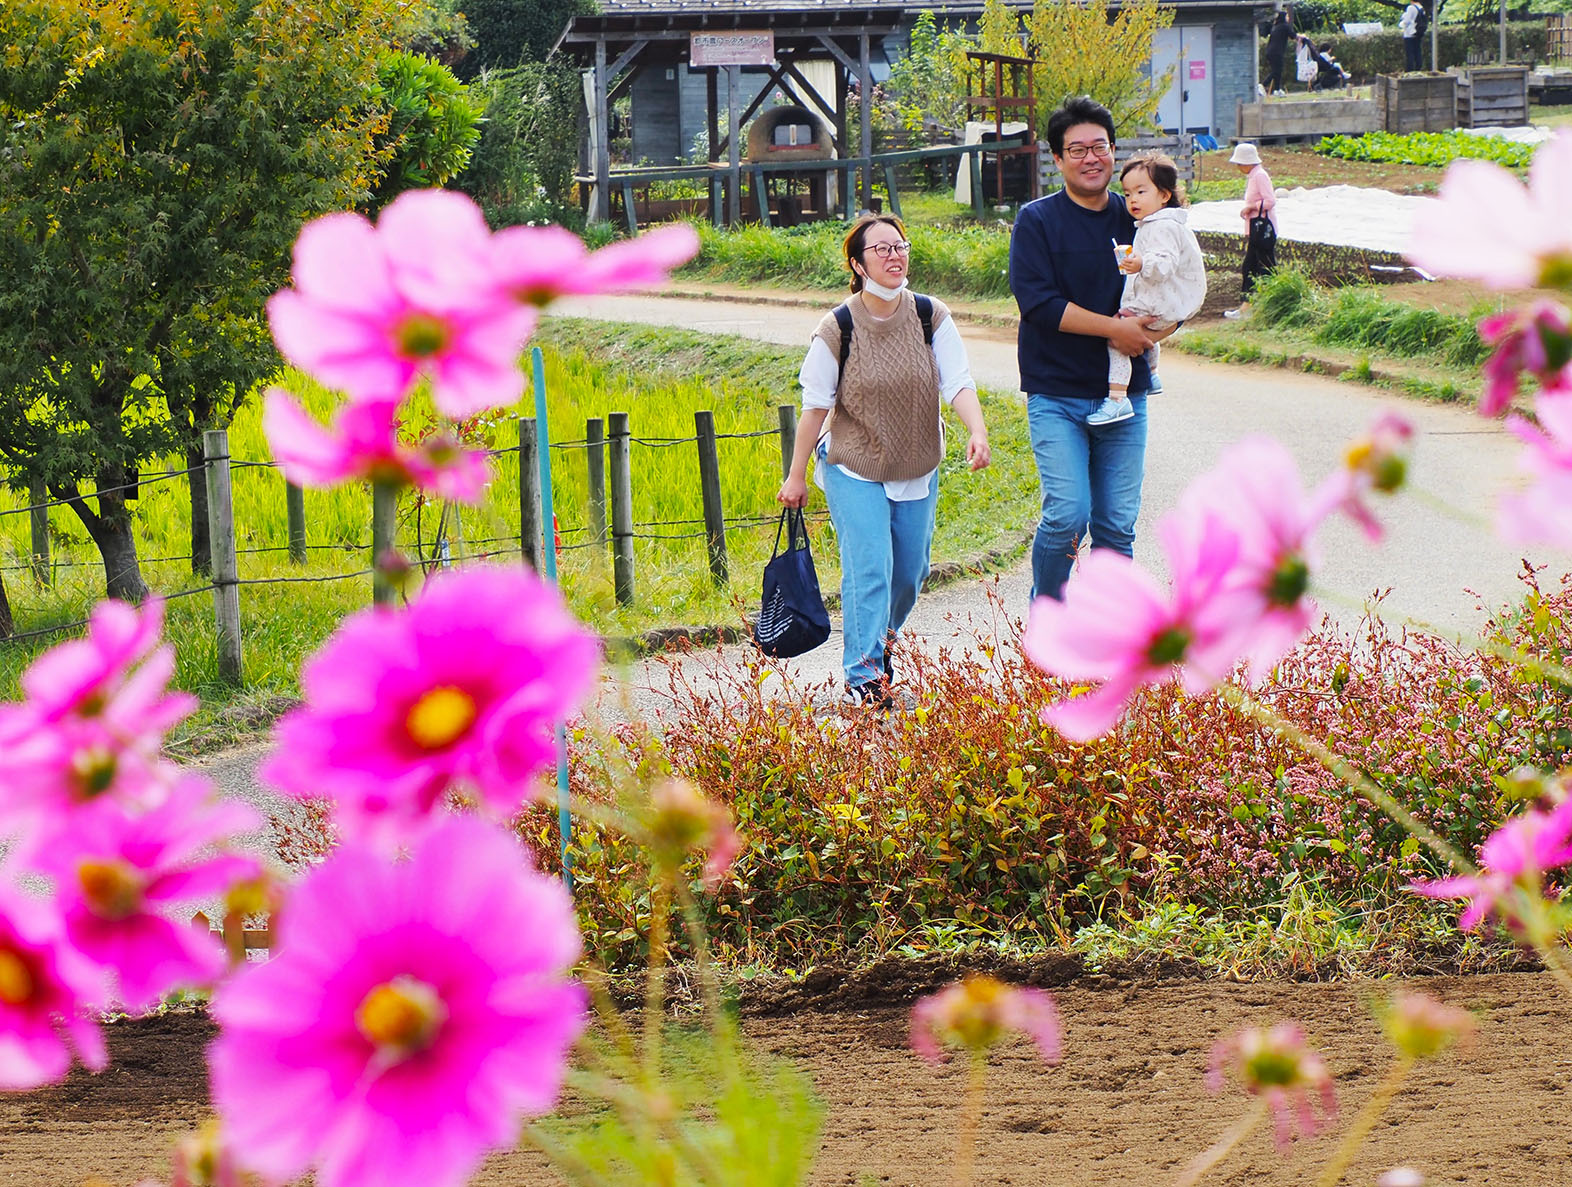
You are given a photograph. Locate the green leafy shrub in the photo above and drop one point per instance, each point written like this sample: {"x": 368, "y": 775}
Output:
{"x": 1370, "y": 54}
{"x": 1362, "y": 318}
{"x": 967, "y": 816}
{"x": 522, "y": 169}
{"x": 433, "y": 124}
{"x": 1427, "y": 148}
{"x": 1287, "y": 298}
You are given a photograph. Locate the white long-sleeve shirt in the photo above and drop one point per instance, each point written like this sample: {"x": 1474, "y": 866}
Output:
{"x": 820, "y": 376}
{"x": 1408, "y": 23}
{"x": 1172, "y": 281}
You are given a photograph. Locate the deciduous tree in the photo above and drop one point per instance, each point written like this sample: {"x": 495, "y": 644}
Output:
{"x": 156, "y": 161}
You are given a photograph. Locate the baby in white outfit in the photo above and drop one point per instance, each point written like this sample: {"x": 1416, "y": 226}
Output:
{"x": 1165, "y": 277}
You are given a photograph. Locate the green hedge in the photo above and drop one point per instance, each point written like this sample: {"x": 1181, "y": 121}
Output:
{"x": 1382, "y": 53}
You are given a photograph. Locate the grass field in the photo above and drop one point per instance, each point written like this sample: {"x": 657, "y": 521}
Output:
{"x": 658, "y": 376}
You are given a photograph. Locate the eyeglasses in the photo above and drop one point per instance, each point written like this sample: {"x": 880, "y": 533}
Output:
{"x": 885, "y": 250}
{"x": 1078, "y": 152}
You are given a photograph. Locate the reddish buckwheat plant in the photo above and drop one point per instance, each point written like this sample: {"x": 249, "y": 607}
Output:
{"x": 428, "y": 994}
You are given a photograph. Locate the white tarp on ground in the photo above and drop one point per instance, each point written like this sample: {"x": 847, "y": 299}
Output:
{"x": 1522, "y": 134}
{"x": 1343, "y": 214}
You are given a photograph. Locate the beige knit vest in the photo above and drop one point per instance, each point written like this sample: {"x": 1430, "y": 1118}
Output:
{"x": 885, "y": 426}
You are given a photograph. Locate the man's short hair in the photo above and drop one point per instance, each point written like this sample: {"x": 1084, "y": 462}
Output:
{"x": 1081, "y": 110}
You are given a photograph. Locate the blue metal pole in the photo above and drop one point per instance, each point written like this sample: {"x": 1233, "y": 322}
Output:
{"x": 548, "y": 521}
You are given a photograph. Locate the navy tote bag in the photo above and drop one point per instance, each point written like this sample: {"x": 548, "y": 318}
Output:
{"x": 792, "y": 617}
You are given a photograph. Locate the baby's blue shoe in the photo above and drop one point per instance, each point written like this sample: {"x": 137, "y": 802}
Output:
{"x": 1111, "y": 411}
{"x": 1157, "y": 386}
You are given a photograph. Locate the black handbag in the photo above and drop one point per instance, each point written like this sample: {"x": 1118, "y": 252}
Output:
{"x": 1263, "y": 235}
{"x": 792, "y": 618}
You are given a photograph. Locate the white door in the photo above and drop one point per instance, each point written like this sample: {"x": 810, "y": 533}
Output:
{"x": 1187, "y": 104}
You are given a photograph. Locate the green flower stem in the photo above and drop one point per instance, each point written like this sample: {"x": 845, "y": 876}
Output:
{"x": 971, "y": 1118}
{"x": 1356, "y": 779}
{"x": 1223, "y": 1146}
{"x": 1365, "y": 1122}
{"x": 709, "y": 985}
{"x": 655, "y": 986}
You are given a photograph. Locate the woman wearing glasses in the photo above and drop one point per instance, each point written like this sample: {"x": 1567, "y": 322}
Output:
{"x": 883, "y": 363}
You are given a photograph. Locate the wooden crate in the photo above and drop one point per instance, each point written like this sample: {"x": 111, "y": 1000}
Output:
{"x": 1306, "y": 119}
{"x": 1180, "y": 148}
{"x": 1492, "y": 96}
{"x": 1416, "y": 102}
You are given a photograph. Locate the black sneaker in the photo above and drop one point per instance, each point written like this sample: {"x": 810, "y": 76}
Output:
{"x": 875, "y": 694}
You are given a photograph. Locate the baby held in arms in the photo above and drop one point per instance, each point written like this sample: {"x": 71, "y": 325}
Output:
{"x": 1165, "y": 277}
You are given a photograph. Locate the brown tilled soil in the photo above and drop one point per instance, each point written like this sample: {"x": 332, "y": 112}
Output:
{"x": 1301, "y": 166}
{"x": 1126, "y": 1106}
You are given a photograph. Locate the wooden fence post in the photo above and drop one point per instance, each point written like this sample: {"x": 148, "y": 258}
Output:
{"x": 221, "y": 542}
{"x": 384, "y": 517}
{"x": 788, "y": 419}
{"x": 621, "y": 508}
{"x": 37, "y": 496}
{"x": 295, "y": 506}
{"x": 530, "y": 538}
{"x": 595, "y": 467}
{"x": 710, "y": 492}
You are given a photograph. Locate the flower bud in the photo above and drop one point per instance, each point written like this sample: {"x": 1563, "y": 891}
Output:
{"x": 1421, "y": 1026}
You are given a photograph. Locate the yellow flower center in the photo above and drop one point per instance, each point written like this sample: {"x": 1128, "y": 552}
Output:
{"x": 94, "y": 771}
{"x": 112, "y": 888}
{"x": 420, "y": 336}
{"x": 16, "y": 979}
{"x": 440, "y": 717}
{"x": 401, "y": 1016}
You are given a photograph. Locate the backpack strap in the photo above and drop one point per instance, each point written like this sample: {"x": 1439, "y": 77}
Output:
{"x": 925, "y": 313}
{"x": 843, "y": 318}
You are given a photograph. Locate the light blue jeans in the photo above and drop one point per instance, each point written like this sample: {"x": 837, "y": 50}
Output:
{"x": 1089, "y": 477}
{"x": 884, "y": 561}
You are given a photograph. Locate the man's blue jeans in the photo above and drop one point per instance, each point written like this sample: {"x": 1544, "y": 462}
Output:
{"x": 1089, "y": 477}
{"x": 884, "y": 561}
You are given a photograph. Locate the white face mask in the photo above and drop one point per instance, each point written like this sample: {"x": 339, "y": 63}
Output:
{"x": 870, "y": 285}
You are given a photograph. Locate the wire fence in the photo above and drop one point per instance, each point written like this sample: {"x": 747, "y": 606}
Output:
{"x": 611, "y": 528}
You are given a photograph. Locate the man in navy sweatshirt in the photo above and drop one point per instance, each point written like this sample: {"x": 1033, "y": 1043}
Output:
{"x": 1068, "y": 285}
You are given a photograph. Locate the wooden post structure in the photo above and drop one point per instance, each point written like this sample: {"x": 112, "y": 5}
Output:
{"x": 221, "y": 542}
{"x": 734, "y": 148}
{"x": 530, "y": 537}
{"x": 295, "y": 507}
{"x": 38, "y": 514}
{"x": 865, "y": 93}
{"x": 600, "y": 208}
{"x": 384, "y": 516}
{"x": 595, "y": 468}
{"x": 621, "y": 508}
{"x": 788, "y": 419}
{"x": 710, "y": 492}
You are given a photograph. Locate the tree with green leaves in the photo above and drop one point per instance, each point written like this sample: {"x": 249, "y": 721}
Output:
{"x": 1083, "y": 49}
{"x": 508, "y": 32}
{"x": 157, "y": 159}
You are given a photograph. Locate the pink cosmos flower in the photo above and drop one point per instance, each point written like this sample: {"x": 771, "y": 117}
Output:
{"x": 374, "y": 309}
{"x": 1254, "y": 492}
{"x": 126, "y": 884}
{"x": 1377, "y": 462}
{"x": 1487, "y": 226}
{"x": 976, "y": 1013}
{"x": 412, "y": 1013}
{"x": 93, "y": 723}
{"x": 1536, "y": 339}
{"x": 536, "y": 265}
{"x": 1513, "y": 858}
{"x": 1542, "y": 513}
{"x": 457, "y": 691}
{"x": 1276, "y": 1065}
{"x": 1149, "y": 637}
{"x": 42, "y": 1017}
{"x": 364, "y": 444}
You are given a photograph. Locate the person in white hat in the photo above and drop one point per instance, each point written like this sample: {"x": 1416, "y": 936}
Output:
{"x": 1260, "y": 202}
